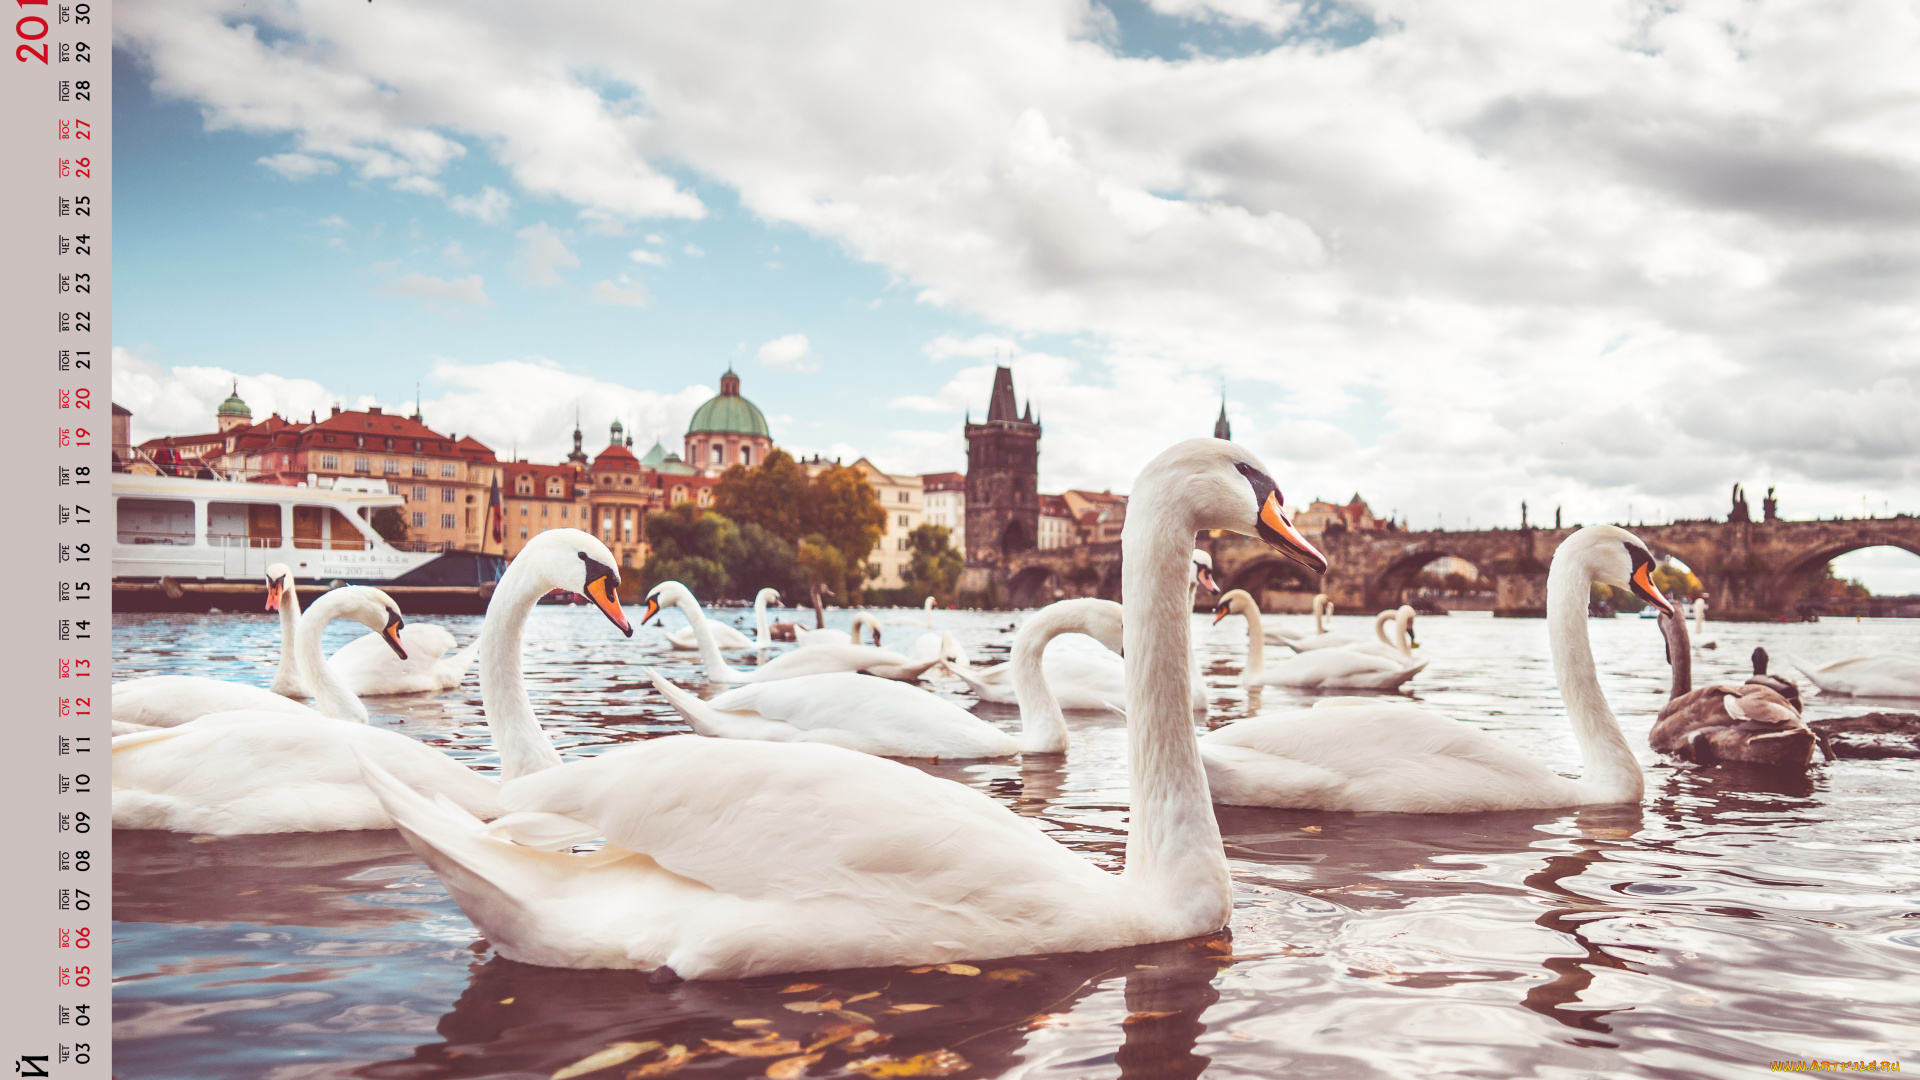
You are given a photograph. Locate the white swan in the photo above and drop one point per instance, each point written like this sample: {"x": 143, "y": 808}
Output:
{"x": 254, "y": 772}
{"x": 874, "y": 716}
{"x": 806, "y": 660}
{"x": 724, "y": 635}
{"x": 762, "y": 631}
{"x": 169, "y": 700}
{"x": 1327, "y": 669}
{"x": 1280, "y": 635}
{"x": 731, "y": 858}
{"x": 1700, "y": 624}
{"x": 833, "y": 635}
{"x": 432, "y": 664}
{"x": 901, "y": 620}
{"x": 1885, "y": 675}
{"x": 1403, "y": 758}
{"x": 283, "y": 596}
{"x": 1398, "y": 647}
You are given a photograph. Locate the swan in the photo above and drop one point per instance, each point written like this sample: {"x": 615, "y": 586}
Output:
{"x": 860, "y": 712}
{"x": 1322, "y": 638}
{"x": 1402, "y": 758}
{"x": 833, "y": 635}
{"x": 806, "y": 660}
{"x": 786, "y": 631}
{"x": 725, "y": 636}
{"x": 730, "y": 859}
{"x": 1779, "y": 684}
{"x": 1280, "y": 635}
{"x": 762, "y": 633}
{"x": 283, "y": 596}
{"x": 1884, "y": 675}
{"x": 249, "y": 771}
{"x": 432, "y": 663}
{"x": 168, "y": 700}
{"x": 1329, "y": 669}
{"x": 1700, "y": 623}
{"x": 932, "y": 644}
{"x": 1748, "y": 724}
{"x": 901, "y": 620}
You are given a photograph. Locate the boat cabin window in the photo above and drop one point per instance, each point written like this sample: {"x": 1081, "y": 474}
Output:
{"x": 232, "y": 524}
{"x": 155, "y": 521}
{"x": 325, "y": 527}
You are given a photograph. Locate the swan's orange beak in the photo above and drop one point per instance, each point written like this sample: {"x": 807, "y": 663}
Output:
{"x": 1644, "y": 587}
{"x": 275, "y": 586}
{"x": 1221, "y": 612}
{"x": 653, "y": 608}
{"x": 390, "y": 634}
{"x": 599, "y": 590}
{"x": 1276, "y": 528}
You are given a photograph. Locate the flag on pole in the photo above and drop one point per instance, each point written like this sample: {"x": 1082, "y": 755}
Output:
{"x": 496, "y": 515}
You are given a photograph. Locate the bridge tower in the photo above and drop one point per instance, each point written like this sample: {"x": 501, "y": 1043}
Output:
{"x": 1003, "y": 478}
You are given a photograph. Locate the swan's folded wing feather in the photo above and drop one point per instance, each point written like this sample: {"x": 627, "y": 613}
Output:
{"x": 759, "y": 820}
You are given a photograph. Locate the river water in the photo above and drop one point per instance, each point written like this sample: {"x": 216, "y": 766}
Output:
{"x": 1730, "y": 921}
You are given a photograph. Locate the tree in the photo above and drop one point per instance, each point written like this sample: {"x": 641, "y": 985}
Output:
{"x": 691, "y": 548}
{"x": 390, "y": 523}
{"x": 843, "y": 508}
{"x": 838, "y": 506}
{"x": 822, "y": 564}
{"x": 935, "y": 566}
{"x": 762, "y": 560}
{"x": 772, "y": 495}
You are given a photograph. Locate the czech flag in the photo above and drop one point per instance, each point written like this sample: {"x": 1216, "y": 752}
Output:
{"x": 496, "y": 514}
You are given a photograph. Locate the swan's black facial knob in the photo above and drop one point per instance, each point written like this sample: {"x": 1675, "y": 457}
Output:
{"x": 1641, "y": 579}
{"x": 603, "y": 588}
{"x": 1273, "y": 523}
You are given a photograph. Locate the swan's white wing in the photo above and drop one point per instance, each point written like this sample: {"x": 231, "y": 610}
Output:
{"x": 821, "y": 659}
{"x": 1085, "y": 681}
{"x": 167, "y": 700}
{"x": 1340, "y": 668}
{"x": 806, "y": 639}
{"x": 877, "y": 716}
{"x": 368, "y": 668}
{"x": 1316, "y": 642}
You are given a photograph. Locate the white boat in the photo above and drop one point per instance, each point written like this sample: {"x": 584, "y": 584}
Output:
{"x": 189, "y": 544}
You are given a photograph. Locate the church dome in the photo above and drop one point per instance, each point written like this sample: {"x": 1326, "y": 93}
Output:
{"x": 729, "y": 413}
{"x": 233, "y": 406}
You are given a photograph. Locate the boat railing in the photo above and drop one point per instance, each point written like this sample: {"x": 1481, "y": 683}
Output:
{"x": 222, "y": 540}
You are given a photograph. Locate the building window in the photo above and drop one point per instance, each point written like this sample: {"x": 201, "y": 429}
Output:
{"x": 903, "y": 543}
{"x": 523, "y": 486}
{"x": 446, "y": 495}
{"x": 523, "y": 532}
{"x": 903, "y": 497}
{"x": 746, "y": 455}
{"x": 719, "y": 453}
{"x": 903, "y": 521}
{"x": 419, "y": 520}
{"x": 416, "y": 449}
{"x": 553, "y": 489}
{"x": 448, "y": 468}
{"x": 326, "y": 438}
{"x": 543, "y": 509}
{"x": 330, "y": 461}
{"x": 419, "y": 493}
{"x": 446, "y": 521}
{"x": 523, "y": 510}
{"x": 361, "y": 464}
{"x": 563, "y": 511}
{"x": 390, "y": 467}
{"x": 606, "y": 524}
{"x": 419, "y": 467}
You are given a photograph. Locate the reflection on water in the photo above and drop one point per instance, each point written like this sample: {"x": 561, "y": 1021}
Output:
{"x": 1734, "y": 919}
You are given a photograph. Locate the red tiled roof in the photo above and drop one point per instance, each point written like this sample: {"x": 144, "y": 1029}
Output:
{"x": 943, "y": 481}
{"x": 617, "y": 457}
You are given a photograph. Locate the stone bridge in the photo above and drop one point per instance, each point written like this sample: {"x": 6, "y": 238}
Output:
{"x": 1755, "y": 570}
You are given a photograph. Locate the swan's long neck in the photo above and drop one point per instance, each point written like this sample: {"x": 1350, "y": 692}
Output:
{"x": 1699, "y": 617}
{"x": 1043, "y": 728}
{"x": 762, "y": 637}
{"x": 1611, "y": 772}
{"x": 1256, "y": 640}
{"x": 330, "y": 696}
{"x": 1403, "y": 630}
{"x": 717, "y": 669}
{"x": 929, "y": 606}
{"x": 819, "y": 612}
{"x": 1173, "y": 842}
{"x": 1679, "y": 655}
{"x": 523, "y": 747}
{"x": 288, "y": 673}
{"x": 1380, "y": 627}
{"x": 1319, "y": 611}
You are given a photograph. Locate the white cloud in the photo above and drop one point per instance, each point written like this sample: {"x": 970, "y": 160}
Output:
{"x": 466, "y": 290}
{"x": 333, "y": 221}
{"x": 298, "y": 166}
{"x": 791, "y": 352}
{"x": 654, "y": 238}
{"x": 540, "y": 255}
{"x": 489, "y": 206}
{"x": 181, "y": 400}
{"x": 624, "y": 293}
{"x": 651, "y": 258}
{"x": 694, "y": 250}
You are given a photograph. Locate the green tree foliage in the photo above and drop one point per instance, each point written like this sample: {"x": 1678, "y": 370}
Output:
{"x": 935, "y": 566}
{"x": 1825, "y": 586}
{"x": 820, "y": 562}
{"x": 390, "y": 523}
{"x": 715, "y": 557}
{"x": 837, "y": 505}
{"x": 843, "y": 508}
{"x": 1673, "y": 581}
{"x": 764, "y": 561}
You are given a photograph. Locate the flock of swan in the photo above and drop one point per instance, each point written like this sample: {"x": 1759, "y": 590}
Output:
{"x": 782, "y": 834}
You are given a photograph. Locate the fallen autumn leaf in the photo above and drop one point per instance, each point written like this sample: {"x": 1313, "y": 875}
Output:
{"x": 612, "y": 1055}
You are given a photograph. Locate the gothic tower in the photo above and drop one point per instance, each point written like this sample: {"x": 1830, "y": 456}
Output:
{"x": 1222, "y": 429}
{"x": 1003, "y": 478}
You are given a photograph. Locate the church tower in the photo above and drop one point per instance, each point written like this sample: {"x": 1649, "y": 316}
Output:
{"x": 1222, "y": 429}
{"x": 1003, "y": 478}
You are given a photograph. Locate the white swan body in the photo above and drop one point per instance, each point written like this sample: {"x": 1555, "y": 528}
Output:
{"x": 734, "y": 858}
{"x": 1400, "y": 649}
{"x": 807, "y": 660}
{"x": 1886, "y": 675}
{"x": 833, "y": 635}
{"x": 170, "y": 700}
{"x": 1325, "y": 669}
{"x": 874, "y": 716}
{"x": 369, "y": 669}
{"x": 283, "y": 595}
{"x": 725, "y": 636}
{"x": 256, "y": 772}
{"x": 1280, "y": 635}
{"x": 1404, "y": 758}
{"x": 1080, "y": 681}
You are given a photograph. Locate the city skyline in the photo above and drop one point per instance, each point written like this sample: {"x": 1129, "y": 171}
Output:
{"x": 1564, "y": 276}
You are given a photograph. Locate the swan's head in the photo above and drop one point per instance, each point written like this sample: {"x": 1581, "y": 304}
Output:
{"x": 277, "y": 577}
{"x": 771, "y": 596}
{"x": 1617, "y": 559}
{"x": 666, "y": 594}
{"x": 1215, "y": 484}
{"x": 1406, "y": 616}
{"x": 1235, "y": 601}
{"x": 374, "y": 610}
{"x": 1202, "y": 571}
{"x": 575, "y": 561}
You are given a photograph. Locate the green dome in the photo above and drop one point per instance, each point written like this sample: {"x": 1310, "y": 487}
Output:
{"x": 729, "y": 412}
{"x": 233, "y": 406}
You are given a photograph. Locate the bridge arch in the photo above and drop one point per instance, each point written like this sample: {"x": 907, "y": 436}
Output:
{"x": 1275, "y": 583}
{"x": 1790, "y": 581}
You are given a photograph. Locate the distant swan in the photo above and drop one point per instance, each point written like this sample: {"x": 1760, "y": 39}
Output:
{"x": 1404, "y": 758}
{"x": 1749, "y": 724}
{"x": 786, "y": 631}
{"x": 1700, "y": 624}
{"x": 729, "y": 859}
{"x": 724, "y": 635}
{"x": 806, "y": 660}
{"x": 1884, "y": 675}
{"x": 874, "y": 716}
{"x": 1327, "y": 668}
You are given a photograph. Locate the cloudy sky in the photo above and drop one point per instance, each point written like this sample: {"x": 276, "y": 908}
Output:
{"x": 1611, "y": 257}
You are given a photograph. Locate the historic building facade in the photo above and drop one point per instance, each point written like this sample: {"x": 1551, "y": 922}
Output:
{"x": 902, "y": 498}
{"x": 943, "y": 496}
{"x": 1003, "y": 478}
{"x": 727, "y": 430}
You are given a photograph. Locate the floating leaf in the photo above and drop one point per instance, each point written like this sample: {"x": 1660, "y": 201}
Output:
{"x": 937, "y": 1063}
{"x": 1143, "y": 1017}
{"x": 611, "y": 1056}
{"x": 752, "y": 1023}
{"x": 1009, "y": 974}
{"x": 920, "y": 970}
{"x": 506, "y": 1001}
{"x": 866, "y": 1040}
{"x": 911, "y": 1008}
{"x": 863, "y": 997}
{"x": 1146, "y": 967}
{"x": 801, "y": 988}
{"x": 1310, "y": 828}
{"x": 832, "y": 1032}
{"x": 767, "y": 1045}
{"x": 676, "y": 1057}
{"x": 791, "y": 1068}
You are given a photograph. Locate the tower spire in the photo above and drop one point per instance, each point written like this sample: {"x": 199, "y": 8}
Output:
{"x": 1221, "y": 428}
